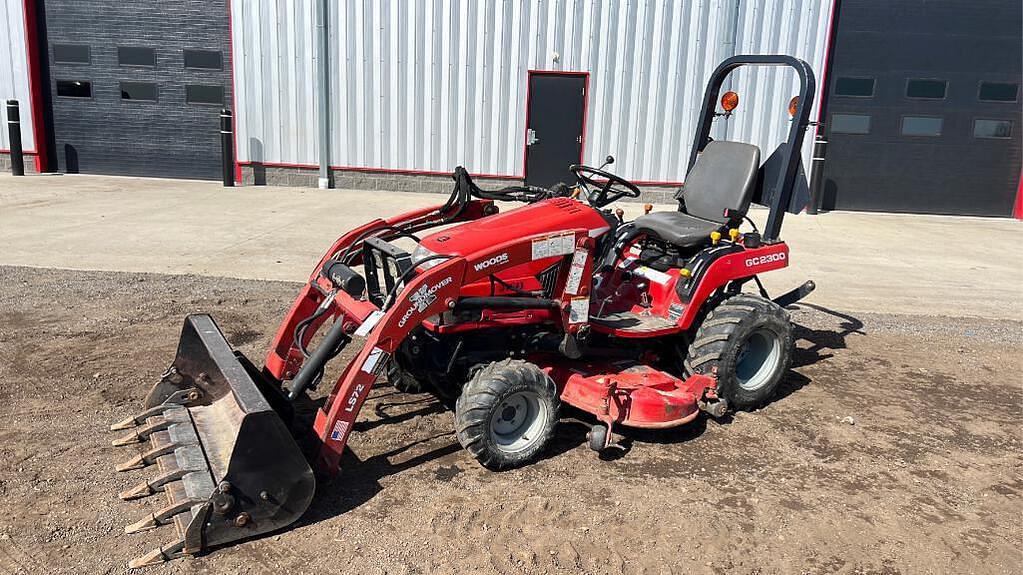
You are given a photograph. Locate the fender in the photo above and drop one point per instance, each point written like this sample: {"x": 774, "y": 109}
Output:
{"x": 722, "y": 265}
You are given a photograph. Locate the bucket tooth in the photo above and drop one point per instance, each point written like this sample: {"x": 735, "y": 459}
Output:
{"x": 158, "y": 555}
{"x": 138, "y": 419}
{"x": 153, "y": 424}
{"x": 147, "y": 488}
{"x": 137, "y": 462}
{"x": 179, "y": 505}
{"x": 141, "y": 490}
{"x": 129, "y": 439}
{"x": 161, "y": 517}
{"x": 145, "y": 458}
{"x": 172, "y": 467}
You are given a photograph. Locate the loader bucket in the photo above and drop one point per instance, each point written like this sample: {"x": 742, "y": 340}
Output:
{"x": 224, "y": 459}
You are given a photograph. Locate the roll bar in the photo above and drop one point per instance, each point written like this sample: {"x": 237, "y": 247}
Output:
{"x": 794, "y": 143}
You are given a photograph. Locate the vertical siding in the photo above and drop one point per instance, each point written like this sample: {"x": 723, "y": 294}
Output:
{"x": 430, "y": 84}
{"x": 795, "y": 27}
{"x": 275, "y": 80}
{"x": 14, "y": 82}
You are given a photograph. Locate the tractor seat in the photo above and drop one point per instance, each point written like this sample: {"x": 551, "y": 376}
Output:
{"x": 677, "y": 228}
{"x": 717, "y": 193}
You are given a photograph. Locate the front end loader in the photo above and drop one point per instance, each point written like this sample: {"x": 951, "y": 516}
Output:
{"x": 509, "y": 315}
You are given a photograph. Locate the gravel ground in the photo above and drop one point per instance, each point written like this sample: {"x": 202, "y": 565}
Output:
{"x": 893, "y": 447}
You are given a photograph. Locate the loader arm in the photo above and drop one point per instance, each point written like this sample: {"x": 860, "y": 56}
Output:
{"x": 284, "y": 358}
{"x": 428, "y": 294}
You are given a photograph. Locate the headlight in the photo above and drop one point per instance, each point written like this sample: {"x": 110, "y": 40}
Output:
{"x": 421, "y": 253}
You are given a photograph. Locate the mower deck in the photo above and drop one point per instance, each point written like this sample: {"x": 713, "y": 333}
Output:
{"x": 633, "y": 394}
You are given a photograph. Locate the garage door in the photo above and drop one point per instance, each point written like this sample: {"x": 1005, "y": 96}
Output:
{"x": 924, "y": 110}
{"x": 137, "y": 87}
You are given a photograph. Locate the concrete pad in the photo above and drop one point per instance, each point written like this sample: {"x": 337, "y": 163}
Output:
{"x": 887, "y": 263}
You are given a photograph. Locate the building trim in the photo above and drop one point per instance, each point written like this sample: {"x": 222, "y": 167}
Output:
{"x": 234, "y": 97}
{"x": 35, "y": 103}
{"x": 401, "y": 172}
{"x": 829, "y": 47}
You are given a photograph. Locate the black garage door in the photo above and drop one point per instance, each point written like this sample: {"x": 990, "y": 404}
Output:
{"x": 137, "y": 87}
{"x": 924, "y": 108}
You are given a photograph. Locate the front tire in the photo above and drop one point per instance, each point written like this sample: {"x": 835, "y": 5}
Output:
{"x": 506, "y": 414}
{"x": 749, "y": 340}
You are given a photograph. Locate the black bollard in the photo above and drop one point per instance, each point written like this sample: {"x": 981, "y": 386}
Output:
{"x": 14, "y": 131}
{"x": 227, "y": 146}
{"x": 820, "y": 150}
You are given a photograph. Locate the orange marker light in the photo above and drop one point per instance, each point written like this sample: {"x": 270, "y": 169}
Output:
{"x": 729, "y": 101}
{"x": 793, "y": 105}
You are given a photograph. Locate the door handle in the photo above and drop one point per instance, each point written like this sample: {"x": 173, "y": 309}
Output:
{"x": 531, "y": 137}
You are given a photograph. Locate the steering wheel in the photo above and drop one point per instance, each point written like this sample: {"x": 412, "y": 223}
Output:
{"x": 607, "y": 190}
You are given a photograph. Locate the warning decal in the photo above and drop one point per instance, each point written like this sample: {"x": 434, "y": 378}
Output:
{"x": 556, "y": 245}
{"x": 575, "y": 273}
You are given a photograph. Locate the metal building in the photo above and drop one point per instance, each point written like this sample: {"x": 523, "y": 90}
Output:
{"x": 423, "y": 86}
{"x": 518, "y": 89}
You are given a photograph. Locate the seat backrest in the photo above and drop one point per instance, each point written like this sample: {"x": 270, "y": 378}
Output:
{"x": 722, "y": 178}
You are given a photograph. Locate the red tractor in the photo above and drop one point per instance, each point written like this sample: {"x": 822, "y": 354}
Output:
{"x": 642, "y": 324}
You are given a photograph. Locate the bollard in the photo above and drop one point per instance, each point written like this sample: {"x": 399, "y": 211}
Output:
{"x": 820, "y": 149}
{"x": 227, "y": 147}
{"x": 14, "y": 131}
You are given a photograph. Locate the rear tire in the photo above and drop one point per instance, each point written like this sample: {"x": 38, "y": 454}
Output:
{"x": 506, "y": 414}
{"x": 402, "y": 380}
{"x": 749, "y": 340}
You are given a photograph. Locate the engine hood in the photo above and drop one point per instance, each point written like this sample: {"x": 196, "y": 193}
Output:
{"x": 543, "y": 217}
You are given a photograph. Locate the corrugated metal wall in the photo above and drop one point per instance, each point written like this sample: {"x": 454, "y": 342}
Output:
{"x": 427, "y": 85}
{"x": 14, "y": 71}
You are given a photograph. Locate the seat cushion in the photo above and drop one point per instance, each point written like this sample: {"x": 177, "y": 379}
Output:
{"x": 722, "y": 179}
{"x": 677, "y": 228}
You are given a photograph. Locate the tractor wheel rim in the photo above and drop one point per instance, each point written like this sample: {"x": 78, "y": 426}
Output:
{"x": 757, "y": 360}
{"x": 518, "y": 421}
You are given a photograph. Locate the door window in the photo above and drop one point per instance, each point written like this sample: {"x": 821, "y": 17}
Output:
{"x": 70, "y": 54}
{"x": 926, "y": 89}
{"x": 998, "y": 92}
{"x": 136, "y": 56}
{"x": 139, "y": 91}
{"x": 74, "y": 88}
{"x": 850, "y": 124}
{"x": 204, "y": 59}
{"x": 921, "y": 126}
{"x": 198, "y": 94}
{"x": 854, "y": 87}
{"x": 992, "y": 129}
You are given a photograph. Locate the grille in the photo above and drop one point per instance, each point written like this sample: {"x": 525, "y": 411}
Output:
{"x": 548, "y": 279}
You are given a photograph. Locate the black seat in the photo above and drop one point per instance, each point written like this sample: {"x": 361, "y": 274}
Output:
{"x": 721, "y": 182}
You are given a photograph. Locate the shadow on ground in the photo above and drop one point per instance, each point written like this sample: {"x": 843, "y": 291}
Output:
{"x": 360, "y": 479}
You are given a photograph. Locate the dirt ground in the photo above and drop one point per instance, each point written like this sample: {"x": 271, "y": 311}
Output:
{"x": 927, "y": 478}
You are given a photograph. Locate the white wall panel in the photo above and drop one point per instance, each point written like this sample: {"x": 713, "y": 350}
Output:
{"x": 430, "y": 84}
{"x": 275, "y": 80}
{"x": 14, "y": 71}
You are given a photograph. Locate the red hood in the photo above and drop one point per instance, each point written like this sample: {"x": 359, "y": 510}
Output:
{"x": 543, "y": 217}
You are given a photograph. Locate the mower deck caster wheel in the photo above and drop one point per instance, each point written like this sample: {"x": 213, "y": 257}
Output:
{"x": 597, "y": 437}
